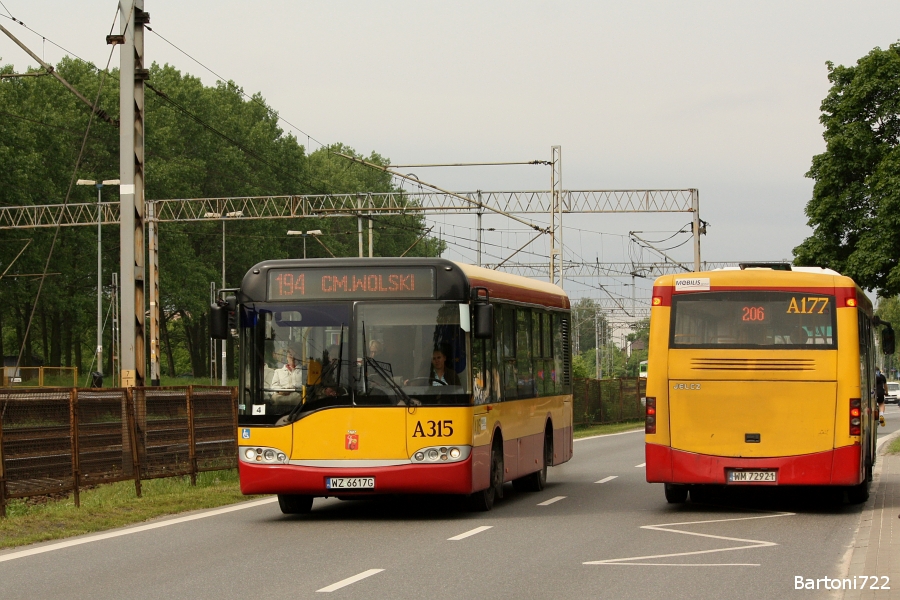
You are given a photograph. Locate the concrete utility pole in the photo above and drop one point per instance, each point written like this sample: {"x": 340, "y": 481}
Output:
{"x": 132, "y": 19}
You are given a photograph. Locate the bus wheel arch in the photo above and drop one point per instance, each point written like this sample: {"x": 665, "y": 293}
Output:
{"x": 483, "y": 500}
{"x": 537, "y": 481}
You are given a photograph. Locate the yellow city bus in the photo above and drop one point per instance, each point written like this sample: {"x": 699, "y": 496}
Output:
{"x": 762, "y": 375}
{"x": 394, "y": 376}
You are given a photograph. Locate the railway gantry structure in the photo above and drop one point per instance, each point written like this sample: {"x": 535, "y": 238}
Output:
{"x": 552, "y": 203}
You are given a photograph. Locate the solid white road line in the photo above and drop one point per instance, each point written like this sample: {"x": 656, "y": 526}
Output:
{"x": 640, "y": 465}
{"x": 469, "y": 533}
{"x": 115, "y": 534}
{"x": 349, "y": 580}
{"x": 550, "y": 501}
{"x": 666, "y": 526}
{"x": 605, "y": 479}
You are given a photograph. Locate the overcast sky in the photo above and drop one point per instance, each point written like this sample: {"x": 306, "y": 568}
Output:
{"x": 719, "y": 96}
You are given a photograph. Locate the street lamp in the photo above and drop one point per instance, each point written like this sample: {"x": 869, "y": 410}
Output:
{"x": 223, "y": 216}
{"x": 304, "y": 235}
{"x": 99, "y": 187}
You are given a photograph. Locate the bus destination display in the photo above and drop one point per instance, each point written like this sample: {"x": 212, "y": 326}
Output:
{"x": 350, "y": 283}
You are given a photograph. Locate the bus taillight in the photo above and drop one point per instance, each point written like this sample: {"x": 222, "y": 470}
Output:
{"x": 855, "y": 411}
{"x": 650, "y": 424}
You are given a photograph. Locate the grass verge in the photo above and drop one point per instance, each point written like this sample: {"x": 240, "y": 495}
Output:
{"x": 894, "y": 446}
{"x": 115, "y": 505}
{"x": 581, "y": 432}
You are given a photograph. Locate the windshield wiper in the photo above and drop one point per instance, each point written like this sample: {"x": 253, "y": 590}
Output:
{"x": 310, "y": 389}
{"x": 390, "y": 381}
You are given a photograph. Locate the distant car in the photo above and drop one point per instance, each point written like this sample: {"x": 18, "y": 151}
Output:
{"x": 893, "y": 393}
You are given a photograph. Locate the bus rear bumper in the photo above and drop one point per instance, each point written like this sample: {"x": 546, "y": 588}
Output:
{"x": 841, "y": 466}
{"x": 454, "y": 478}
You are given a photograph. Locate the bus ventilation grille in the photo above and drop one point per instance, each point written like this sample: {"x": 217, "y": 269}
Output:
{"x": 753, "y": 364}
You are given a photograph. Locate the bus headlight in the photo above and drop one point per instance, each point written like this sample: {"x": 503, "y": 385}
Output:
{"x": 271, "y": 456}
{"x": 441, "y": 454}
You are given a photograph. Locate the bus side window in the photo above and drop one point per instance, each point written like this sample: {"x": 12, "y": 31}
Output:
{"x": 506, "y": 350}
{"x": 525, "y": 380}
{"x": 483, "y": 390}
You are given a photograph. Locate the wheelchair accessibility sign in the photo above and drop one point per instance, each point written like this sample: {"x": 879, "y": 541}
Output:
{"x": 245, "y": 433}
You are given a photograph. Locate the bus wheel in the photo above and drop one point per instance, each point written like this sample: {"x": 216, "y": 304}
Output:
{"x": 292, "y": 504}
{"x": 676, "y": 494}
{"x": 483, "y": 501}
{"x": 535, "y": 482}
{"x": 857, "y": 494}
{"x": 700, "y": 493}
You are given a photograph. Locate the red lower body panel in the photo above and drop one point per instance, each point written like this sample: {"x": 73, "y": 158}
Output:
{"x": 454, "y": 478}
{"x": 841, "y": 466}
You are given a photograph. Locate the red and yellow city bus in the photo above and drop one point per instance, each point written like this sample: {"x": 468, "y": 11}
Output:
{"x": 407, "y": 375}
{"x": 761, "y": 375}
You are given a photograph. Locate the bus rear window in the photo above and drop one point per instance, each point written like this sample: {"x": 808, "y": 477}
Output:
{"x": 749, "y": 319}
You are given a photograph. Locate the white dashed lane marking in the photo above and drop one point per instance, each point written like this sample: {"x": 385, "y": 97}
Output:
{"x": 471, "y": 532}
{"x": 605, "y": 479}
{"x": 640, "y": 465}
{"x": 550, "y": 501}
{"x": 349, "y": 580}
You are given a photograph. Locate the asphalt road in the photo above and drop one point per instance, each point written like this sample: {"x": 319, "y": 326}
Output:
{"x": 597, "y": 531}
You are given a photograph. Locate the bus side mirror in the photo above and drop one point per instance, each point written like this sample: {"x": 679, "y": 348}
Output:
{"x": 218, "y": 321}
{"x": 887, "y": 340}
{"x": 484, "y": 321}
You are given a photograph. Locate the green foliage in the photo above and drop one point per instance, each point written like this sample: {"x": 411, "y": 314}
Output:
{"x": 889, "y": 311}
{"x": 855, "y": 208}
{"x": 200, "y": 142}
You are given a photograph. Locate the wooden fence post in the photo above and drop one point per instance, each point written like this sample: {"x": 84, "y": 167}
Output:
{"x": 133, "y": 438}
{"x": 73, "y": 422}
{"x": 621, "y": 394}
{"x": 2, "y": 472}
{"x": 192, "y": 450}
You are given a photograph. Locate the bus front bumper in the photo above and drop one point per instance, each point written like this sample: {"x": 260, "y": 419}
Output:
{"x": 453, "y": 478}
{"x": 841, "y": 466}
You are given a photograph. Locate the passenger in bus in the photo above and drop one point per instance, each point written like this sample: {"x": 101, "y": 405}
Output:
{"x": 441, "y": 372}
{"x": 288, "y": 380}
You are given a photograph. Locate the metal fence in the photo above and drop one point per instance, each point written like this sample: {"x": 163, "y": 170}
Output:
{"x": 39, "y": 376}
{"x": 599, "y": 401}
{"x": 61, "y": 440}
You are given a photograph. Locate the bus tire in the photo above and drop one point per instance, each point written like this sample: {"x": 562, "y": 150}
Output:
{"x": 858, "y": 494}
{"x": 700, "y": 493}
{"x": 483, "y": 500}
{"x": 293, "y": 504}
{"x": 676, "y": 494}
{"x": 535, "y": 482}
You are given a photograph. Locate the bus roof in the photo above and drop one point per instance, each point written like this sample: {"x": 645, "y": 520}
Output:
{"x": 800, "y": 279}
{"x": 514, "y": 287}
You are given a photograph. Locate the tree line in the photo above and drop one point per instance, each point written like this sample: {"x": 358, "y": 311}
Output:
{"x": 200, "y": 142}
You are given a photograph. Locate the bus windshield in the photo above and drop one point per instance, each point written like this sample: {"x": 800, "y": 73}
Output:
{"x": 413, "y": 353}
{"x": 301, "y": 357}
{"x": 748, "y": 319}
